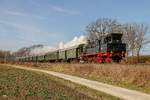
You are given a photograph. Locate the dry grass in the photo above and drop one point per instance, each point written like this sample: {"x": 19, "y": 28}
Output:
{"x": 130, "y": 76}
{"x": 17, "y": 84}
{"x": 142, "y": 59}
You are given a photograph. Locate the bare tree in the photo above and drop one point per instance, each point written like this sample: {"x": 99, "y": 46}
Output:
{"x": 5, "y": 56}
{"x": 141, "y": 31}
{"x": 130, "y": 37}
{"x": 134, "y": 35}
{"x": 100, "y": 27}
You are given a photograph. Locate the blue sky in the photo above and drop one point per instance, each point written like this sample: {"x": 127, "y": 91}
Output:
{"x": 29, "y": 22}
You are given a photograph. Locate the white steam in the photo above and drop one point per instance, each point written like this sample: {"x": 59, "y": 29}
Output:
{"x": 74, "y": 42}
{"x": 41, "y": 50}
{"x": 45, "y": 49}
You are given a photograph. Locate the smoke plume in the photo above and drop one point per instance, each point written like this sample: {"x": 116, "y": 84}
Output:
{"x": 41, "y": 49}
{"x": 74, "y": 42}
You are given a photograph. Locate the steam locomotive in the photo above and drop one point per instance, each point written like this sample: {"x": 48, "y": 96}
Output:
{"x": 109, "y": 48}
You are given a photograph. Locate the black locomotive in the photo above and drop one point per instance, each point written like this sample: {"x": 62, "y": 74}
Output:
{"x": 109, "y": 48}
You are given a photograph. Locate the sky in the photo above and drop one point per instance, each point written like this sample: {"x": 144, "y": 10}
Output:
{"x": 48, "y": 22}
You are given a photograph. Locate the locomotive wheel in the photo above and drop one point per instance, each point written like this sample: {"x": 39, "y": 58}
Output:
{"x": 99, "y": 60}
{"x": 108, "y": 60}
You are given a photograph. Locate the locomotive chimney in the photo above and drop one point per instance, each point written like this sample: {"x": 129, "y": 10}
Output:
{"x": 88, "y": 41}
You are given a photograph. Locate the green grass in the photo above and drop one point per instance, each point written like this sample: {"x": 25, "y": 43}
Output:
{"x": 27, "y": 85}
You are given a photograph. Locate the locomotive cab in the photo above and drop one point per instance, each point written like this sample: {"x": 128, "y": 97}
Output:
{"x": 113, "y": 38}
{"x": 114, "y": 42}
{"x": 114, "y": 45}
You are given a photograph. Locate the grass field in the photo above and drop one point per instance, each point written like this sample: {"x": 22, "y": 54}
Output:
{"x": 142, "y": 59}
{"x": 17, "y": 84}
{"x": 136, "y": 77}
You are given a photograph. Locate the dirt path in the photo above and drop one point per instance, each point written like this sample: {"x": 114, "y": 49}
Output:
{"x": 109, "y": 89}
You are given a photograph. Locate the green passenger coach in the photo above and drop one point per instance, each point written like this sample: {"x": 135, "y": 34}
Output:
{"x": 41, "y": 58}
{"x": 62, "y": 55}
{"x": 52, "y": 56}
